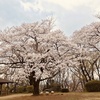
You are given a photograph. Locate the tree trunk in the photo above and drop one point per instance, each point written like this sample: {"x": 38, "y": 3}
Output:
{"x": 36, "y": 87}
{"x": 0, "y": 89}
{"x": 35, "y": 83}
{"x": 15, "y": 87}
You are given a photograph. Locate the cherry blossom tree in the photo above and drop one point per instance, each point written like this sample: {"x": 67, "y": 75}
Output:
{"x": 35, "y": 51}
{"x": 87, "y": 42}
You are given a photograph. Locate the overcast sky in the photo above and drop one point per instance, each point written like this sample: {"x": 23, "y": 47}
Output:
{"x": 70, "y": 15}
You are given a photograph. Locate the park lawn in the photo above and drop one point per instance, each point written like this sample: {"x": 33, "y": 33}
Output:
{"x": 59, "y": 96}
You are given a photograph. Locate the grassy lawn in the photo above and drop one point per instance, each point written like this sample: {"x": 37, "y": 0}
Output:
{"x": 59, "y": 96}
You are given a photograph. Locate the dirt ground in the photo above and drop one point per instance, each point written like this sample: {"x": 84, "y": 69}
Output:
{"x": 13, "y": 96}
{"x": 55, "y": 96}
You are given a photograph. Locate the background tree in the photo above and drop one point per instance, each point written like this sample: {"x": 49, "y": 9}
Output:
{"x": 87, "y": 42}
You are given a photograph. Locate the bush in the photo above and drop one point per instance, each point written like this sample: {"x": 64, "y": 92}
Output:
{"x": 64, "y": 90}
{"x": 29, "y": 89}
{"x": 20, "y": 89}
{"x": 93, "y": 86}
{"x": 57, "y": 88}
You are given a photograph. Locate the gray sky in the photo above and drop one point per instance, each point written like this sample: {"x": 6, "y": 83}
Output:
{"x": 70, "y": 15}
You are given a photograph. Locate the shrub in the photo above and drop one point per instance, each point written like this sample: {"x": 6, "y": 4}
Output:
{"x": 20, "y": 89}
{"x": 29, "y": 89}
{"x": 93, "y": 86}
{"x": 57, "y": 88}
{"x": 64, "y": 90}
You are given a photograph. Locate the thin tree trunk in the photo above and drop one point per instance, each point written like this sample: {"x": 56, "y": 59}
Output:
{"x": 0, "y": 89}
